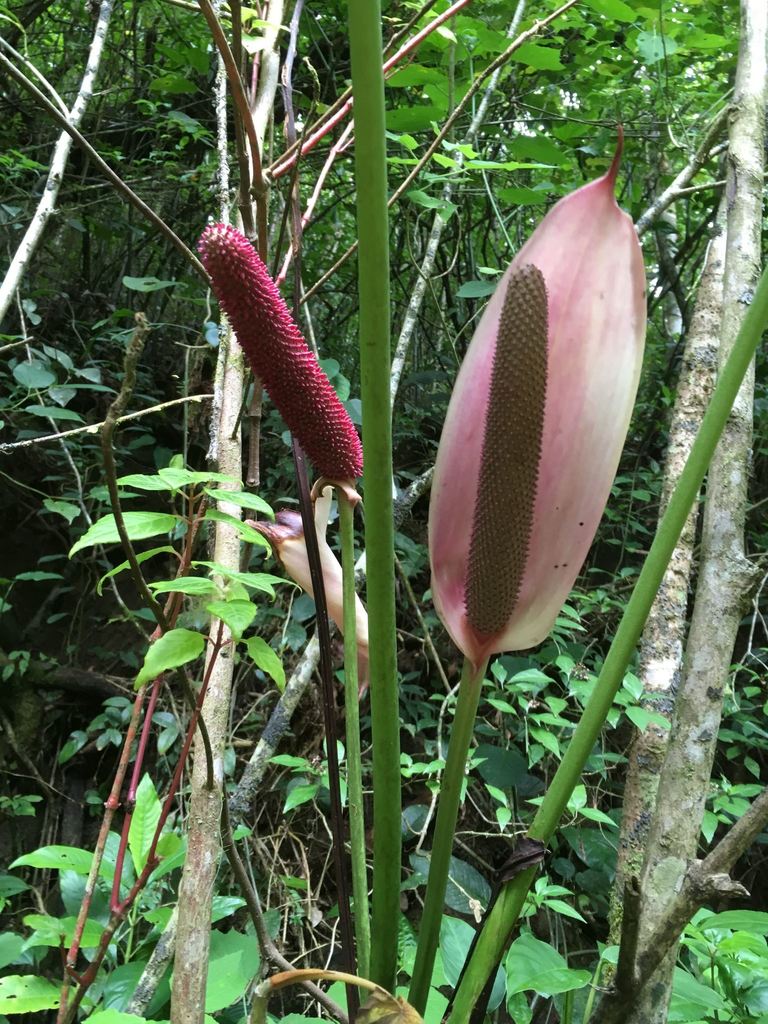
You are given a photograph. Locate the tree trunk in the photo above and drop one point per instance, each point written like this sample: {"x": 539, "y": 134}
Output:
{"x": 661, "y": 647}
{"x": 725, "y": 574}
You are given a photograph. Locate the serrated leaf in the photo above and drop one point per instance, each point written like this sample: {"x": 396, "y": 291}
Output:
{"x": 176, "y": 647}
{"x": 139, "y": 525}
{"x": 238, "y": 615}
{"x": 195, "y": 585}
{"x": 27, "y": 994}
{"x": 146, "y": 815}
{"x": 141, "y": 556}
{"x": 267, "y": 660}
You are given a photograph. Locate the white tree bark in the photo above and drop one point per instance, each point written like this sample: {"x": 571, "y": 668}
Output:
{"x": 725, "y": 574}
{"x": 47, "y": 205}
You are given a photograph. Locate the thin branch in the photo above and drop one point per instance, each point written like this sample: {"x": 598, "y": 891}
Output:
{"x": 103, "y": 166}
{"x": 448, "y": 124}
{"x": 686, "y": 175}
{"x": 93, "y": 428}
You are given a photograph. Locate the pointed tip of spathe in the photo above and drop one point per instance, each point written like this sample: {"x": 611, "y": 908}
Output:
{"x": 613, "y": 170}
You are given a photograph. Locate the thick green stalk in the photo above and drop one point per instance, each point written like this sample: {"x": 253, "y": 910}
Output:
{"x": 373, "y": 278}
{"x": 354, "y": 760}
{"x": 445, "y": 824}
{"x": 503, "y": 917}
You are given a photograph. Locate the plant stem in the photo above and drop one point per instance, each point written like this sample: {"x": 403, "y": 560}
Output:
{"x": 354, "y": 757}
{"x": 503, "y": 917}
{"x": 442, "y": 842}
{"x": 373, "y": 276}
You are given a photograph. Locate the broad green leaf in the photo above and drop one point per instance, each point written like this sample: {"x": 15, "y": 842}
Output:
{"x": 112, "y": 1016}
{"x": 67, "y": 509}
{"x": 238, "y": 615}
{"x": 263, "y": 581}
{"x": 145, "y": 482}
{"x": 300, "y": 795}
{"x": 141, "y": 556}
{"x": 27, "y": 994}
{"x": 543, "y": 58}
{"x": 57, "y": 858}
{"x": 532, "y": 965}
{"x": 242, "y": 498}
{"x": 139, "y": 525}
{"x": 476, "y": 289}
{"x": 262, "y": 654}
{"x": 654, "y": 48}
{"x": 52, "y": 931}
{"x": 146, "y": 815}
{"x": 247, "y": 533}
{"x": 37, "y": 577}
{"x": 195, "y": 585}
{"x": 233, "y": 962}
{"x": 11, "y": 948}
{"x": 737, "y": 921}
{"x": 33, "y": 375}
{"x": 54, "y": 412}
{"x": 146, "y": 284}
{"x": 615, "y": 9}
{"x": 174, "y": 648}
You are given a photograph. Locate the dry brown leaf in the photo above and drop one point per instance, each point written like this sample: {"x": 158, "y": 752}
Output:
{"x": 382, "y": 1008}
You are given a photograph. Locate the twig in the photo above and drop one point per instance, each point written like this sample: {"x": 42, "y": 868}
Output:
{"x": 103, "y": 166}
{"x": 94, "y": 428}
{"x": 268, "y": 948}
{"x": 694, "y": 165}
{"x": 447, "y": 126}
{"x": 424, "y": 628}
{"x": 630, "y": 931}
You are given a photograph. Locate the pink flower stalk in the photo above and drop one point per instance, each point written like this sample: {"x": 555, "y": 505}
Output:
{"x": 279, "y": 355}
{"x": 536, "y": 425}
{"x": 286, "y": 535}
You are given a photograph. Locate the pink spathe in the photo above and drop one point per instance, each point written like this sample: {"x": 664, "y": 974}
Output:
{"x": 286, "y": 535}
{"x": 587, "y": 250}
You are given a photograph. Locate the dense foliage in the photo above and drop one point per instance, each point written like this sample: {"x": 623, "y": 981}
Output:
{"x": 73, "y": 630}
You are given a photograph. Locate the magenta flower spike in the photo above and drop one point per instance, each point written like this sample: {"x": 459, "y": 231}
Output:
{"x": 286, "y": 535}
{"x": 279, "y": 355}
{"x": 536, "y": 425}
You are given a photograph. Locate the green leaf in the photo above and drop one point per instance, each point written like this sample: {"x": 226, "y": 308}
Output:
{"x": 654, "y": 48}
{"x": 37, "y": 577}
{"x": 53, "y": 412}
{"x": 174, "y": 648}
{"x": 247, "y": 533}
{"x": 139, "y": 525}
{"x": 242, "y": 498}
{"x": 532, "y": 965}
{"x": 561, "y": 907}
{"x": 140, "y": 558}
{"x": 112, "y": 1016}
{"x": 27, "y": 994}
{"x": 146, "y": 815}
{"x": 146, "y": 284}
{"x": 238, "y": 615}
{"x": 68, "y": 509}
{"x": 262, "y": 581}
{"x": 51, "y": 931}
{"x": 543, "y": 58}
{"x": 738, "y": 921}
{"x": 11, "y": 948}
{"x": 615, "y": 9}
{"x": 265, "y": 658}
{"x": 56, "y": 858}
{"x": 196, "y": 585}
{"x": 300, "y": 795}
{"x": 233, "y": 962}
{"x": 445, "y": 208}
{"x": 33, "y": 374}
{"x": 476, "y": 289}
{"x": 145, "y": 482}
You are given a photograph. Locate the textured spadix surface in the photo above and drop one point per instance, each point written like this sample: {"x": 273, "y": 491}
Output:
{"x": 536, "y": 425}
{"x": 286, "y": 535}
{"x": 279, "y": 355}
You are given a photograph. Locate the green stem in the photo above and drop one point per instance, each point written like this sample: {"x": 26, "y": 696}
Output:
{"x": 503, "y": 917}
{"x": 442, "y": 842}
{"x": 373, "y": 278}
{"x": 354, "y": 758}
